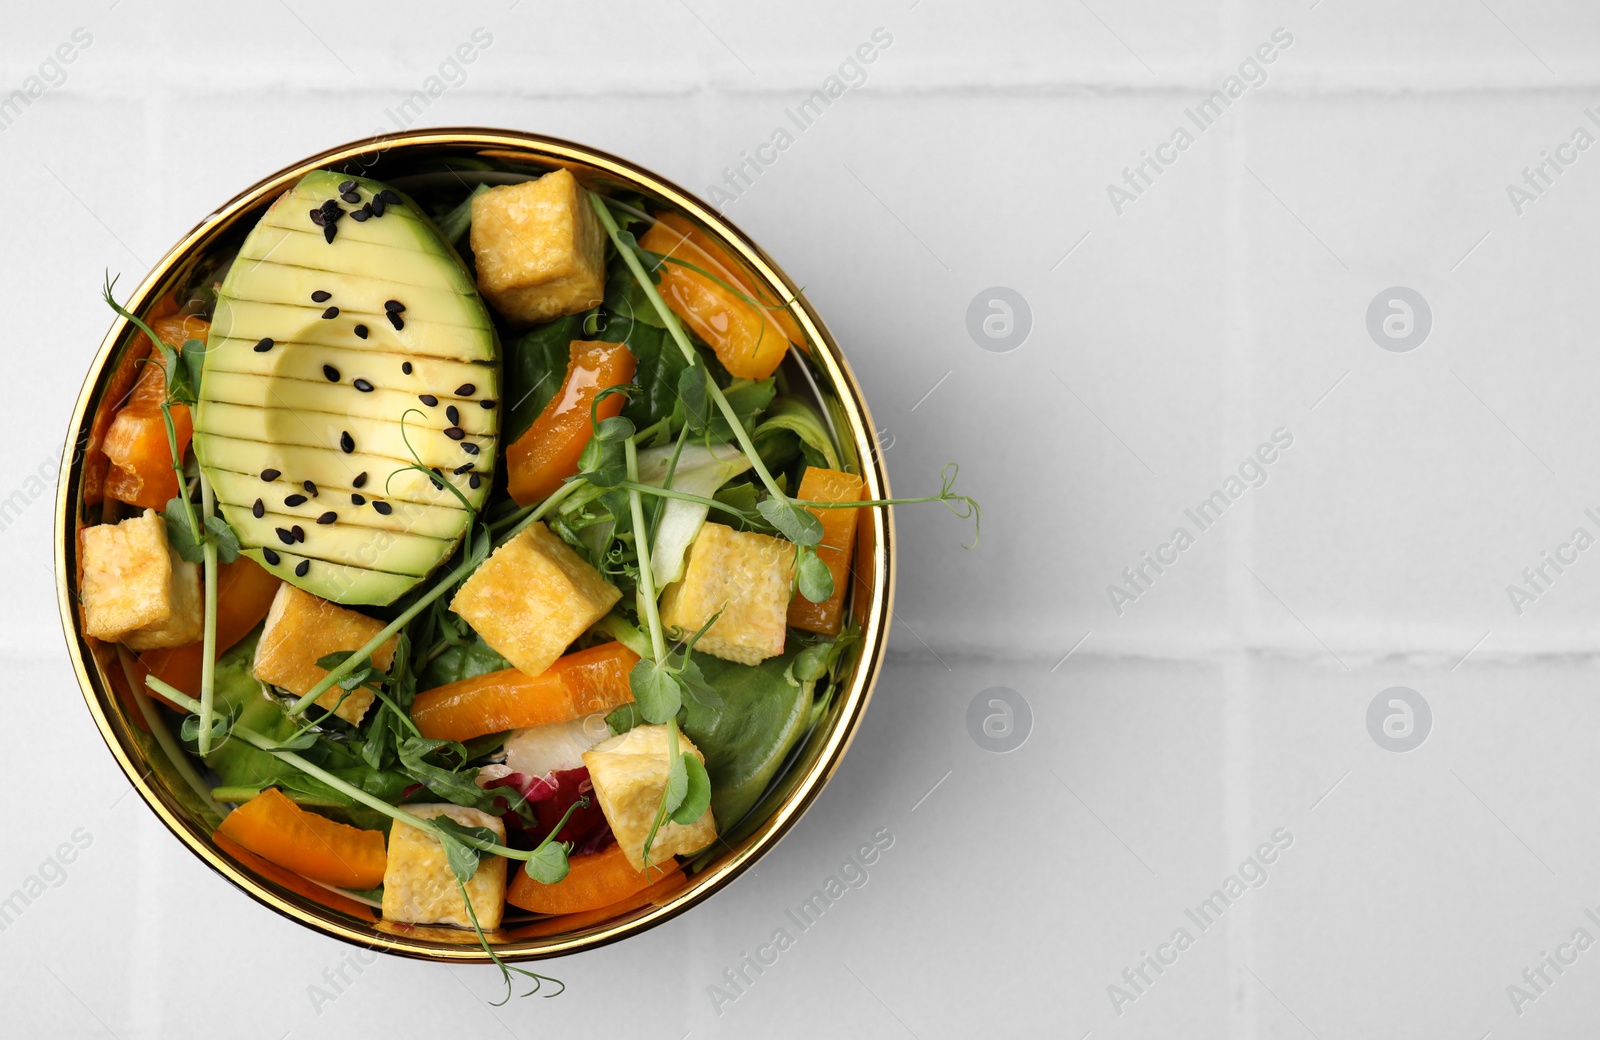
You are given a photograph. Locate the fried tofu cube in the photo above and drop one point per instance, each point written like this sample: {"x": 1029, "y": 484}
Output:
{"x": 745, "y": 575}
{"x": 629, "y": 773}
{"x": 532, "y": 598}
{"x": 418, "y": 885}
{"x": 300, "y": 630}
{"x": 539, "y": 247}
{"x": 135, "y": 589}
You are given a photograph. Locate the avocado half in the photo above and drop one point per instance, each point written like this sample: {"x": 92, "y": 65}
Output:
{"x": 349, "y": 405}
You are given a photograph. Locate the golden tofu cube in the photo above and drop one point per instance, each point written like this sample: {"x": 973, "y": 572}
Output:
{"x": 745, "y": 575}
{"x": 629, "y": 773}
{"x": 540, "y": 248}
{"x": 300, "y": 630}
{"x": 135, "y": 590}
{"x": 418, "y": 886}
{"x": 532, "y": 598}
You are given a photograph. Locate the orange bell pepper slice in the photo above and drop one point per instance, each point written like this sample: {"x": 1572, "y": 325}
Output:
{"x": 313, "y": 846}
{"x": 245, "y": 591}
{"x": 659, "y": 892}
{"x": 578, "y": 684}
{"x": 593, "y": 880}
{"x": 838, "y": 539}
{"x": 748, "y": 342}
{"x": 721, "y": 263}
{"x": 292, "y": 881}
{"x": 141, "y": 471}
{"x": 540, "y": 460}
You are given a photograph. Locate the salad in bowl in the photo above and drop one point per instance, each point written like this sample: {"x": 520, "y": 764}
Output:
{"x": 481, "y": 546}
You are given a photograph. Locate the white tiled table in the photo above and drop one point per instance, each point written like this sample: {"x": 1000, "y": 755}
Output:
{"x": 1225, "y": 705}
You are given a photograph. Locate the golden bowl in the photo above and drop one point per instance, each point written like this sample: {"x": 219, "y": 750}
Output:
{"x": 413, "y": 162}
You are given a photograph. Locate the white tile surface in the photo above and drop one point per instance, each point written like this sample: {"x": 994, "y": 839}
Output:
{"x": 1228, "y": 701}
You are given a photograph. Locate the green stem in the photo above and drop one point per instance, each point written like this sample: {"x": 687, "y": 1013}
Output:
{"x": 208, "y": 656}
{"x": 647, "y": 579}
{"x": 177, "y": 468}
{"x": 240, "y": 795}
{"x": 461, "y": 573}
{"x": 394, "y": 812}
{"x": 617, "y": 627}
{"x": 670, "y": 320}
{"x": 684, "y": 496}
{"x": 158, "y": 728}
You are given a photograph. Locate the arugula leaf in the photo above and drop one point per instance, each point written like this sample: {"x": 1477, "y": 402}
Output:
{"x": 455, "y": 222}
{"x": 798, "y": 525}
{"x": 465, "y": 660}
{"x": 813, "y": 577}
{"x": 548, "y": 863}
{"x": 535, "y": 367}
{"x": 451, "y": 785}
{"x": 692, "y": 393}
{"x": 697, "y": 790}
{"x": 656, "y": 690}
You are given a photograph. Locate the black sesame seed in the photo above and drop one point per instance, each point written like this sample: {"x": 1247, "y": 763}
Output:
{"x": 376, "y": 205}
{"x": 331, "y": 372}
{"x": 286, "y": 537}
{"x": 263, "y": 346}
{"x": 321, "y": 296}
{"x": 269, "y": 475}
{"x": 360, "y": 481}
{"x": 327, "y": 518}
{"x": 349, "y": 185}
{"x": 295, "y": 500}
{"x": 463, "y": 469}
{"x": 474, "y": 482}
{"x": 455, "y": 433}
{"x": 358, "y": 499}
{"x": 383, "y": 508}
{"x": 361, "y": 330}
{"x": 319, "y": 218}
{"x": 453, "y": 414}
{"x": 270, "y": 556}
{"x": 331, "y": 312}
{"x": 360, "y": 215}
{"x": 299, "y": 533}
{"x": 362, "y": 385}
{"x": 330, "y": 207}
{"x": 311, "y": 489}
{"x": 428, "y": 399}
{"x": 391, "y": 306}
{"x": 389, "y": 196}
{"x": 346, "y": 442}
{"x": 397, "y": 321}
{"x": 488, "y": 405}
{"x": 258, "y": 510}
{"x": 469, "y": 447}
{"x": 328, "y": 231}
{"x": 466, "y": 390}
{"x": 406, "y": 368}
{"x": 302, "y": 568}
{"x": 350, "y": 197}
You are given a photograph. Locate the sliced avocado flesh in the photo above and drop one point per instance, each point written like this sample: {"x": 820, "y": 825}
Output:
{"x": 306, "y": 249}
{"x": 333, "y": 469}
{"x": 238, "y": 319}
{"x": 387, "y": 372}
{"x": 328, "y": 400}
{"x": 324, "y": 395}
{"x": 404, "y": 517}
{"x": 270, "y": 282}
{"x": 287, "y": 424}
